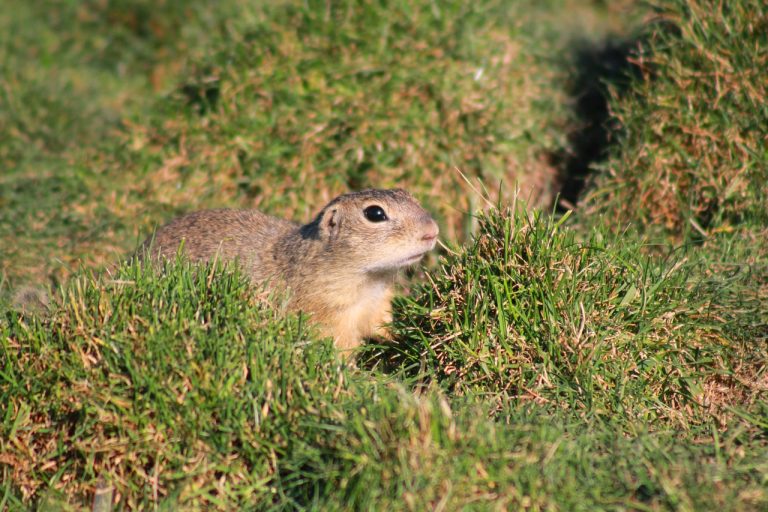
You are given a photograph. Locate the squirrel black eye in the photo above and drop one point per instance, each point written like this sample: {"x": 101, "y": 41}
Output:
{"x": 375, "y": 213}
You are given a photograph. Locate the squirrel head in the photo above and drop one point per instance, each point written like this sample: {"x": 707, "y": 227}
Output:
{"x": 379, "y": 230}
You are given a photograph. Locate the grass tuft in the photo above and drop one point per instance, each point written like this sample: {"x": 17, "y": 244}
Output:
{"x": 691, "y": 161}
{"x": 528, "y": 311}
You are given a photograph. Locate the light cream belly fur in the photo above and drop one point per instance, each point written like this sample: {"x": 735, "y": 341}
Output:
{"x": 364, "y": 315}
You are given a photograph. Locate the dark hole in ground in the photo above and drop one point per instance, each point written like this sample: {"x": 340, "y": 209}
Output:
{"x": 202, "y": 95}
{"x": 597, "y": 68}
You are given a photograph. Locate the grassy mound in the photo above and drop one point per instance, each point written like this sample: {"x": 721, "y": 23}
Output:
{"x": 146, "y": 375}
{"x": 528, "y": 311}
{"x": 181, "y": 389}
{"x": 690, "y": 165}
{"x": 691, "y": 160}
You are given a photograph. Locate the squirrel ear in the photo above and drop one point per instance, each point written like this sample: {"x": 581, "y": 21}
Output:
{"x": 333, "y": 223}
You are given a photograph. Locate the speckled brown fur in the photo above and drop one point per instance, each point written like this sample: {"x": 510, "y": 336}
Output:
{"x": 340, "y": 268}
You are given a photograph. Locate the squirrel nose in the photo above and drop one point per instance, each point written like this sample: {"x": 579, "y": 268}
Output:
{"x": 430, "y": 231}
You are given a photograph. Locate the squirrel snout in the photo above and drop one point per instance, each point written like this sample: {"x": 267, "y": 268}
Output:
{"x": 430, "y": 231}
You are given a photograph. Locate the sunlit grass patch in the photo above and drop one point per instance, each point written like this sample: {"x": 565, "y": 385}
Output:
{"x": 691, "y": 159}
{"x": 531, "y": 311}
{"x": 178, "y": 387}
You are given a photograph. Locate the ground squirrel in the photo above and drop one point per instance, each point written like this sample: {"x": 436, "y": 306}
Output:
{"x": 340, "y": 268}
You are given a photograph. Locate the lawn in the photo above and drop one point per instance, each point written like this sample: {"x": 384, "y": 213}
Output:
{"x": 592, "y": 333}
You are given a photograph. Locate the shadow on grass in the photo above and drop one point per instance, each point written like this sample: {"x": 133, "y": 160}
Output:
{"x": 393, "y": 357}
{"x": 601, "y": 69}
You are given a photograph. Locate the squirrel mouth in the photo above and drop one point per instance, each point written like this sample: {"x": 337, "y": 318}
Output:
{"x": 410, "y": 260}
{"x": 406, "y": 261}
{"x": 396, "y": 264}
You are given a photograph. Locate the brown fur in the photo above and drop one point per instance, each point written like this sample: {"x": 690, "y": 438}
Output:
{"x": 340, "y": 267}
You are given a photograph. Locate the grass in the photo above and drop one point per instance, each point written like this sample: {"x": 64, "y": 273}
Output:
{"x": 184, "y": 389}
{"x": 529, "y": 311}
{"x": 609, "y": 359}
{"x": 692, "y": 160}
